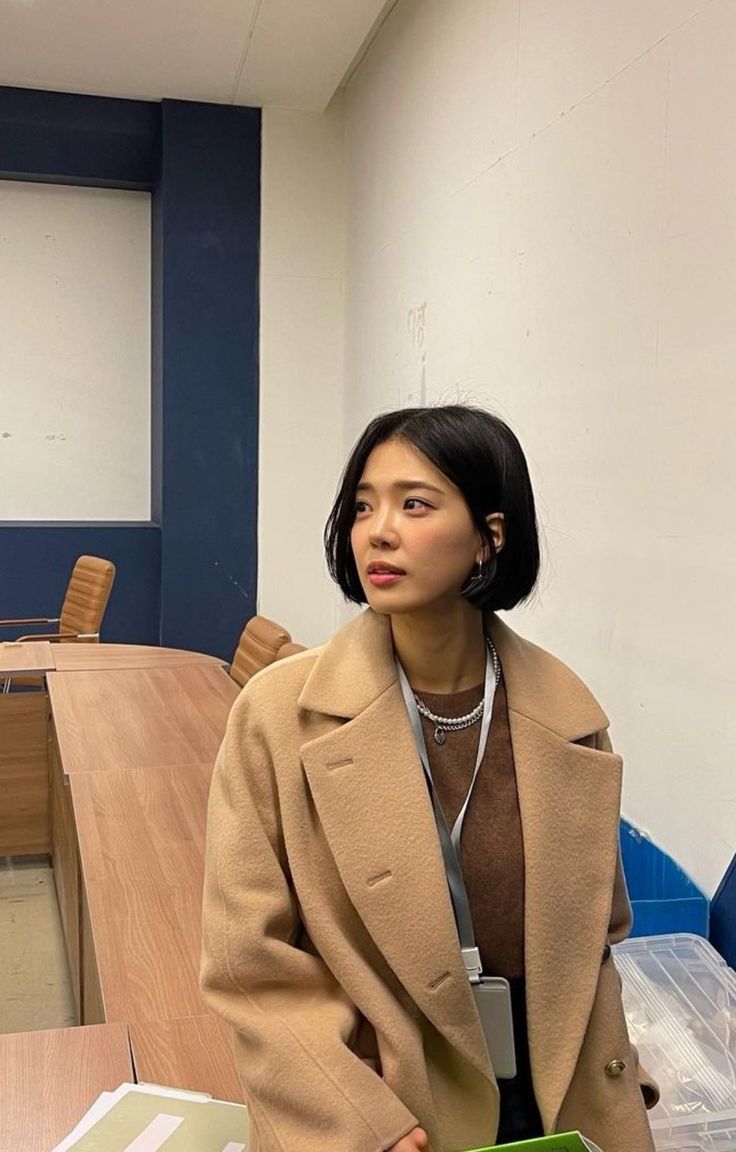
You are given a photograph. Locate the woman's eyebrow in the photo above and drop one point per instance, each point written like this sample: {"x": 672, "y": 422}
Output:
{"x": 403, "y": 486}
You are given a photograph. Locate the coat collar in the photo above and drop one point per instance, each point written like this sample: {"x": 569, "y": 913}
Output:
{"x": 357, "y": 666}
{"x": 369, "y": 789}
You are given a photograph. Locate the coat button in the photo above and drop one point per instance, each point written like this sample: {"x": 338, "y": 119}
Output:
{"x": 615, "y": 1068}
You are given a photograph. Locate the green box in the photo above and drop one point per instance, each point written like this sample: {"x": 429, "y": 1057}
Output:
{"x": 560, "y": 1142}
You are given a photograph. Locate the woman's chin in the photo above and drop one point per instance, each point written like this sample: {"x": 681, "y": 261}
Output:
{"x": 395, "y": 602}
{"x": 385, "y": 601}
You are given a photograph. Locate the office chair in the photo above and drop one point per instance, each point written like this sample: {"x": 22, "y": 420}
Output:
{"x": 260, "y": 644}
{"x": 81, "y": 613}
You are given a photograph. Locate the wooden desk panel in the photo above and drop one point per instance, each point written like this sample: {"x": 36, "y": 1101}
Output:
{"x": 93, "y": 1008}
{"x": 141, "y": 846}
{"x": 24, "y": 782}
{"x": 26, "y": 658}
{"x": 194, "y": 1053}
{"x": 48, "y": 1080}
{"x": 108, "y": 657}
{"x": 65, "y": 862}
{"x": 140, "y": 718}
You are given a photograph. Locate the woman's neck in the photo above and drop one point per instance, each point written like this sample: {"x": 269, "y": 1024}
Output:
{"x": 441, "y": 650}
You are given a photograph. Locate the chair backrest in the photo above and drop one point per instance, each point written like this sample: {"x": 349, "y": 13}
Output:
{"x": 87, "y": 595}
{"x": 259, "y": 645}
{"x": 290, "y": 649}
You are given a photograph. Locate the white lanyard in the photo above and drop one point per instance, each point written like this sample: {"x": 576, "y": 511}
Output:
{"x": 450, "y": 841}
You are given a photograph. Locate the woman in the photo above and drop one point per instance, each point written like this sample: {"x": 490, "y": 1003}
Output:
{"x": 334, "y": 908}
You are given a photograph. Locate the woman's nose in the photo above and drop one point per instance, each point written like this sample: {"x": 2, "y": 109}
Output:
{"x": 382, "y": 532}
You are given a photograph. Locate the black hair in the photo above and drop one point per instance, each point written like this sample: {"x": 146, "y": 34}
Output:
{"x": 482, "y": 457}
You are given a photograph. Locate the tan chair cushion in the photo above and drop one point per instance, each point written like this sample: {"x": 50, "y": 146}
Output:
{"x": 87, "y": 595}
{"x": 260, "y": 643}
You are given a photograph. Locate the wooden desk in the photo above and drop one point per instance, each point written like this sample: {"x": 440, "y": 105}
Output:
{"x": 141, "y": 845}
{"x": 24, "y": 790}
{"x": 128, "y": 761}
{"x": 108, "y": 657}
{"x": 140, "y": 718}
{"x": 194, "y": 1053}
{"x": 26, "y": 658}
{"x": 24, "y": 809}
{"x": 48, "y": 1080}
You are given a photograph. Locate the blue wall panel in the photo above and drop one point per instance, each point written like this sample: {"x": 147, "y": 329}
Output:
{"x": 60, "y": 138}
{"x": 207, "y": 200}
{"x": 197, "y": 561}
{"x": 36, "y": 560}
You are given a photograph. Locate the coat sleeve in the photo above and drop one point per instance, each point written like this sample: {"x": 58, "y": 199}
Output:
{"x": 619, "y": 928}
{"x": 292, "y": 1022}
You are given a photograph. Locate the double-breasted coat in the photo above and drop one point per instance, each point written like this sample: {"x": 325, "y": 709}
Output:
{"x": 329, "y": 941}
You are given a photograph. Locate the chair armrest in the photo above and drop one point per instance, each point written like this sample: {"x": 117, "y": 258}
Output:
{"x": 55, "y": 637}
{"x": 29, "y": 620}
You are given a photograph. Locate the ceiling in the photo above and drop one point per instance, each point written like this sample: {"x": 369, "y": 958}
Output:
{"x": 287, "y": 53}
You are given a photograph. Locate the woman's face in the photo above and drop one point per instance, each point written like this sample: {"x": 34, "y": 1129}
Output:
{"x": 413, "y": 539}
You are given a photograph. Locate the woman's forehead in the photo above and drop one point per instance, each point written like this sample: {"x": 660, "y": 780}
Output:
{"x": 398, "y": 462}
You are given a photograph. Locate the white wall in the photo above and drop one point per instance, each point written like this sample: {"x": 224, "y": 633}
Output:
{"x": 302, "y": 309}
{"x": 540, "y": 219}
{"x": 74, "y": 353}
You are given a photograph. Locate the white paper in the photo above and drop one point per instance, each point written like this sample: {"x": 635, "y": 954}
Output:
{"x": 102, "y": 1104}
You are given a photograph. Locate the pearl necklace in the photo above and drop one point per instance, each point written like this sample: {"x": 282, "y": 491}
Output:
{"x": 445, "y": 724}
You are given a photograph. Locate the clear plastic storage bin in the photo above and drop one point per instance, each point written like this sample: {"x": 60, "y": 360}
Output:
{"x": 680, "y": 1003}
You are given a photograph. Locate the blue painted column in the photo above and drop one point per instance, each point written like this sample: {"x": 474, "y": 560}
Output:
{"x": 206, "y": 225}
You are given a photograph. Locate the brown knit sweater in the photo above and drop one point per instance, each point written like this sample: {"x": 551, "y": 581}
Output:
{"x": 492, "y": 848}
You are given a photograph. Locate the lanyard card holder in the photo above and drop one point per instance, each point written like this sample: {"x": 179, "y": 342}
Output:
{"x": 493, "y": 1001}
{"x": 492, "y": 995}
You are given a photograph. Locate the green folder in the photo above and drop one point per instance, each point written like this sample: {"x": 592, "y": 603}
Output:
{"x": 160, "y": 1118}
{"x": 560, "y": 1142}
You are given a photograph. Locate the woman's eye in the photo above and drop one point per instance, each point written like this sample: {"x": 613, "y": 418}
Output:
{"x": 360, "y": 506}
{"x": 415, "y": 504}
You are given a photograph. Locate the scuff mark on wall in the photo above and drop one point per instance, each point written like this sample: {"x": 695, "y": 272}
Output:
{"x": 233, "y": 581}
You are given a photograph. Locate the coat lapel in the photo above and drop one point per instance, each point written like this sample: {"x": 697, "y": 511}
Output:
{"x": 569, "y": 800}
{"x": 569, "y": 804}
{"x": 368, "y": 786}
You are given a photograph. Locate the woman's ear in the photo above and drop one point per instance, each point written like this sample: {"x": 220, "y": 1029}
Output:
{"x": 497, "y": 527}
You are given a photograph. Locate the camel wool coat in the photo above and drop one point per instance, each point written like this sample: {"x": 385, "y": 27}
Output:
{"x": 329, "y": 941}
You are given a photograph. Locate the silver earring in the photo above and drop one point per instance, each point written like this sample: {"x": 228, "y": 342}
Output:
{"x": 473, "y": 583}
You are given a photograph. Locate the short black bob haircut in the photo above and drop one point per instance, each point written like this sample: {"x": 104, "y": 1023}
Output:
{"x": 483, "y": 458}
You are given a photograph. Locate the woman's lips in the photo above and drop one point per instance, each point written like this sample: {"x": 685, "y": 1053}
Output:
{"x": 383, "y": 579}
